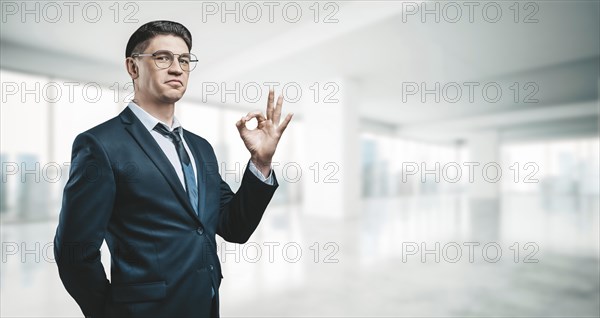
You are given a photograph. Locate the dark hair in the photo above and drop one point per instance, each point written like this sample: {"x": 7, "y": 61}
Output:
{"x": 140, "y": 39}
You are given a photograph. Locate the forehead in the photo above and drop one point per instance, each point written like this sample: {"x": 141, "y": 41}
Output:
{"x": 172, "y": 43}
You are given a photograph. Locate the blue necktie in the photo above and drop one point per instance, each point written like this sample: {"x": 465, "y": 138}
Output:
{"x": 188, "y": 171}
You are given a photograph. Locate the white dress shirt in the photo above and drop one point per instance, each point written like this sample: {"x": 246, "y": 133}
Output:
{"x": 168, "y": 147}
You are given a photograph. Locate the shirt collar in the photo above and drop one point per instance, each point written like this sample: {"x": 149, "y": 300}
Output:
{"x": 150, "y": 121}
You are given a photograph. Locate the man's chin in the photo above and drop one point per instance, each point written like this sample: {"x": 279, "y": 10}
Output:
{"x": 172, "y": 98}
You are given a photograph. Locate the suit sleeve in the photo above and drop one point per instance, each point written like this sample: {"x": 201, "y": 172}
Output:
{"x": 87, "y": 204}
{"x": 241, "y": 212}
{"x": 259, "y": 175}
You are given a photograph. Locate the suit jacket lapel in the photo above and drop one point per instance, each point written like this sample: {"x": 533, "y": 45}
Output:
{"x": 152, "y": 149}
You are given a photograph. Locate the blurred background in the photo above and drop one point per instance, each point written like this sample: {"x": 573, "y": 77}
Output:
{"x": 443, "y": 159}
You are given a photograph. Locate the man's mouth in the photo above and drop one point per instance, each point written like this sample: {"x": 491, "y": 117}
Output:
{"x": 174, "y": 81}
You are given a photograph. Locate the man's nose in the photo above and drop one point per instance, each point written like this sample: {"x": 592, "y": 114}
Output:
{"x": 175, "y": 68}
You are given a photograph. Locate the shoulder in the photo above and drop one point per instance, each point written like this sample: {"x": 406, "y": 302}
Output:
{"x": 108, "y": 127}
{"x": 105, "y": 129}
{"x": 101, "y": 134}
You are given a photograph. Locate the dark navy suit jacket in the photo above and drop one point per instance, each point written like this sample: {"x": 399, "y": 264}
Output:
{"x": 122, "y": 188}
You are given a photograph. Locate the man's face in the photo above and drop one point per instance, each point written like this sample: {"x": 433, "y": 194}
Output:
{"x": 161, "y": 85}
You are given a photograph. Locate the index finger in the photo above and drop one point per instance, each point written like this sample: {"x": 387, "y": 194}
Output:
{"x": 255, "y": 114}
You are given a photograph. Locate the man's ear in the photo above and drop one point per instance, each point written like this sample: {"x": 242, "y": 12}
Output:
{"x": 132, "y": 68}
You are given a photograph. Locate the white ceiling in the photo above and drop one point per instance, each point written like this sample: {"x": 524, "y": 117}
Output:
{"x": 371, "y": 44}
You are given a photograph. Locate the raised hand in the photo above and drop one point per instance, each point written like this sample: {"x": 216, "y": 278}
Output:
{"x": 262, "y": 141}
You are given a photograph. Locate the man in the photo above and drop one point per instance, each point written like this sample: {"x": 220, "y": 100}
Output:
{"x": 153, "y": 192}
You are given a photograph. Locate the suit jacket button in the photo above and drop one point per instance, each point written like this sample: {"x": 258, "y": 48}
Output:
{"x": 211, "y": 267}
{"x": 200, "y": 231}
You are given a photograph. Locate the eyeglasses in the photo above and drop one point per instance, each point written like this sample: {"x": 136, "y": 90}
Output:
{"x": 164, "y": 59}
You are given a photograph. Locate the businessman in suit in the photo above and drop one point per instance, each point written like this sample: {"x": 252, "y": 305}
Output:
{"x": 152, "y": 190}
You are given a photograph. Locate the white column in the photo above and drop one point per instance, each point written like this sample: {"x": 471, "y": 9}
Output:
{"x": 332, "y": 183}
{"x": 483, "y": 195}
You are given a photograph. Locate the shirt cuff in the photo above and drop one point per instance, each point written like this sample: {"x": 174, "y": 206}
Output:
{"x": 268, "y": 180}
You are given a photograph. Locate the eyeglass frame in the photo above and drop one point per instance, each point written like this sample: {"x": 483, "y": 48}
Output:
{"x": 134, "y": 55}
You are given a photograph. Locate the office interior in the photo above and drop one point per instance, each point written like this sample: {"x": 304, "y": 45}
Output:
{"x": 443, "y": 159}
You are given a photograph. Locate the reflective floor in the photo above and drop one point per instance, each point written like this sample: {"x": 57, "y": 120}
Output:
{"x": 401, "y": 257}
